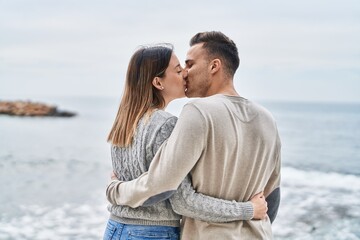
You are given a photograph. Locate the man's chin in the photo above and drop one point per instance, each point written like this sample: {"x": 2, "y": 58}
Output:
{"x": 191, "y": 94}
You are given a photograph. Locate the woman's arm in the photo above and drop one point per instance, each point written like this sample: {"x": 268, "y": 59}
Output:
{"x": 188, "y": 203}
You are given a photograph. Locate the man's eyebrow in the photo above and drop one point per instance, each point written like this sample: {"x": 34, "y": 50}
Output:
{"x": 188, "y": 60}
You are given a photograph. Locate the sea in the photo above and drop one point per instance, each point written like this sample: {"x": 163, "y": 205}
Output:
{"x": 54, "y": 171}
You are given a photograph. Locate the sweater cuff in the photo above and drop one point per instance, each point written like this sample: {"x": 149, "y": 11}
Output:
{"x": 112, "y": 192}
{"x": 248, "y": 211}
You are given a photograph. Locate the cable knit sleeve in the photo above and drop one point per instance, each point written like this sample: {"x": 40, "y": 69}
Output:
{"x": 163, "y": 133}
{"x": 188, "y": 203}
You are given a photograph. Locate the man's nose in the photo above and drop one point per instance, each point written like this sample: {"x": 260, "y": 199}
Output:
{"x": 185, "y": 73}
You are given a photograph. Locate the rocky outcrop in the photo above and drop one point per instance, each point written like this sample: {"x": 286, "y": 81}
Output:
{"x": 27, "y": 108}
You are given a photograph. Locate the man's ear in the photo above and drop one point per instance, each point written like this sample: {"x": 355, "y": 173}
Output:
{"x": 157, "y": 83}
{"x": 215, "y": 65}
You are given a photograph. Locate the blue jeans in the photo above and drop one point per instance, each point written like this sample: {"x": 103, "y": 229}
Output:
{"x": 118, "y": 231}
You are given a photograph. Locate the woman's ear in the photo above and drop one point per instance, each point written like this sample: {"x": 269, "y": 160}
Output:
{"x": 157, "y": 83}
{"x": 215, "y": 65}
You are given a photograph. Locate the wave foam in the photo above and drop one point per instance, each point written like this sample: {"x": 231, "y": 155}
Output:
{"x": 318, "y": 204}
{"x": 66, "y": 222}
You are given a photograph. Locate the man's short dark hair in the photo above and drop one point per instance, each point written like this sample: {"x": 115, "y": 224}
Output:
{"x": 218, "y": 45}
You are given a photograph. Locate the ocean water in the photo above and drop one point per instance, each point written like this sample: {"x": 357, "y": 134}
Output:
{"x": 53, "y": 171}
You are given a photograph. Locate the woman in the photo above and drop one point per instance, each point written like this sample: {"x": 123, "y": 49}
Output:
{"x": 154, "y": 78}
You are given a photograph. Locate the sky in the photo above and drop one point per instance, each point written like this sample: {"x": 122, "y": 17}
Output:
{"x": 289, "y": 50}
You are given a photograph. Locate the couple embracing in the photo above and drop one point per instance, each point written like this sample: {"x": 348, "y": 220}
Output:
{"x": 214, "y": 173}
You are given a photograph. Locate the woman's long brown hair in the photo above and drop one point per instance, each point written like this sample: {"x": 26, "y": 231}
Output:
{"x": 140, "y": 96}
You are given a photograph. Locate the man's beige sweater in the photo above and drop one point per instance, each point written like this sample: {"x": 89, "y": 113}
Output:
{"x": 231, "y": 148}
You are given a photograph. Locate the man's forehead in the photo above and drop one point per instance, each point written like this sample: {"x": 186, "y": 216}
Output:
{"x": 194, "y": 51}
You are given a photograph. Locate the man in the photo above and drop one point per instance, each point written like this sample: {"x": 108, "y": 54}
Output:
{"x": 229, "y": 145}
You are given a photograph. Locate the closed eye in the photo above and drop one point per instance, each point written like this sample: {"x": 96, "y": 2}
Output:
{"x": 189, "y": 63}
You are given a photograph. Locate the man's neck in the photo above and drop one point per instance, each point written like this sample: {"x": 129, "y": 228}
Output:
{"x": 226, "y": 89}
{"x": 231, "y": 92}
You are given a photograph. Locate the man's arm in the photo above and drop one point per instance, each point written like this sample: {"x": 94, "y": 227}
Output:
{"x": 272, "y": 190}
{"x": 171, "y": 164}
{"x": 273, "y": 201}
